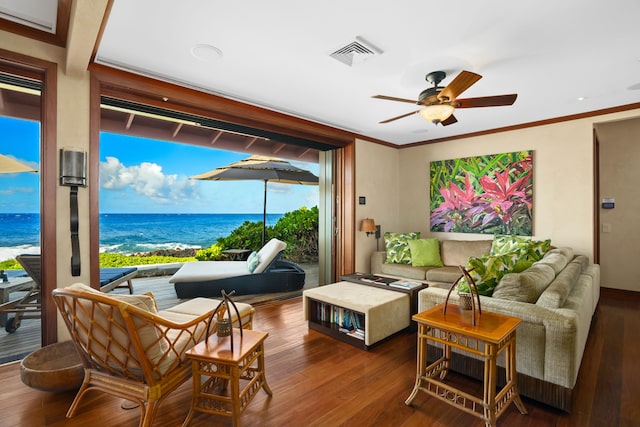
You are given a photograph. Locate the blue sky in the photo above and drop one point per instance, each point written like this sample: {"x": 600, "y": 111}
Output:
{"x": 139, "y": 175}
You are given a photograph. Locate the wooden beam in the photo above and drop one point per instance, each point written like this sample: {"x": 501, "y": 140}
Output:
{"x": 250, "y": 143}
{"x": 176, "y": 129}
{"x": 304, "y": 153}
{"x": 216, "y": 136}
{"x": 130, "y": 118}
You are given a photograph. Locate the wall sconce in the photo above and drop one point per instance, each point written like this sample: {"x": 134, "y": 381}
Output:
{"x": 369, "y": 226}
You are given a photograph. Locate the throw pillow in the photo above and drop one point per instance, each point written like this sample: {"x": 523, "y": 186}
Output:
{"x": 425, "y": 253}
{"x": 397, "y": 247}
{"x": 487, "y": 271}
{"x": 504, "y": 244}
{"x": 535, "y": 250}
{"x": 252, "y": 261}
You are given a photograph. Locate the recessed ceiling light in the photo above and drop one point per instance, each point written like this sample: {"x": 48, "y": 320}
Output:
{"x": 581, "y": 98}
{"x": 206, "y": 52}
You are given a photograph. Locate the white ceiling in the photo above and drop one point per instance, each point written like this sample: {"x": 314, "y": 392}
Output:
{"x": 275, "y": 54}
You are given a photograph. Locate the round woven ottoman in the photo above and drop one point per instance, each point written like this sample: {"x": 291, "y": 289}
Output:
{"x": 56, "y": 367}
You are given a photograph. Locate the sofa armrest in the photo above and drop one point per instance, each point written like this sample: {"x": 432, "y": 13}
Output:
{"x": 377, "y": 259}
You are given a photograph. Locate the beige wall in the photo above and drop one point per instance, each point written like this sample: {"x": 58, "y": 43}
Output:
{"x": 563, "y": 180}
{"x": 377, "y": 179}
{"x": 619, "y": 178}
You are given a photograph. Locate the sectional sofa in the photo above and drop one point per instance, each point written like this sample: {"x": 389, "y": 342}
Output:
{"x": 556, "y": 298}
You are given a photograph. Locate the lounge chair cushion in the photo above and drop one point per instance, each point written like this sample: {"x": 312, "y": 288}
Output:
{"x": 209, "y": 270}
{"x": 268, "y": 253}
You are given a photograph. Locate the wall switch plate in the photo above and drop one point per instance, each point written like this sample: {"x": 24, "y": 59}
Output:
{"x": 362, "y": 200}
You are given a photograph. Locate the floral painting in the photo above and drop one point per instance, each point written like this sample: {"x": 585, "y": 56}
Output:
{"x": 490, "y": 194}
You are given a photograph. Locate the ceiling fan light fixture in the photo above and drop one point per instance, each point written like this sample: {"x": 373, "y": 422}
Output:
{"x": 436, "y": 113}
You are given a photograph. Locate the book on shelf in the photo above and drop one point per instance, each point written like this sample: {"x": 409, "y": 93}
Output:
{"x": 405, "y": 284}
{"x": 356, "y": 333}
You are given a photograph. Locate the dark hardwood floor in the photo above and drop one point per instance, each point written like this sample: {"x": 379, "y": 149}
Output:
{"x": 317, "y": 381}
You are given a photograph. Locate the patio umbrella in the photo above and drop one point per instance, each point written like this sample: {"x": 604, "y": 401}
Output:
{"x": 9, "y": 165}
{"x": 261, "y": 168}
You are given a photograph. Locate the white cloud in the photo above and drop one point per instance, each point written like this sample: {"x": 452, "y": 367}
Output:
{"x": 146, "y": 179}
{"x": 15, "y": 190}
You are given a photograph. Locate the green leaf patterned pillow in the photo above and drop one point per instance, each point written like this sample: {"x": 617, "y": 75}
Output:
{"x": 504, "y": 244}
{"x": 397, "y": 247}
{"x": 536, "y": 249}
{"x": 487, "y": 271}
{"x": 530, "y": 250}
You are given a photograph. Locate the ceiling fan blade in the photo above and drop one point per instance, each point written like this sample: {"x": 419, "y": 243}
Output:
{"x": 462, "y": 82}
{"x": 486, "y": 101}
{"x": 451, "y": 120}
{"x": 391, "y": 98}
{"x": 399, "y": 117}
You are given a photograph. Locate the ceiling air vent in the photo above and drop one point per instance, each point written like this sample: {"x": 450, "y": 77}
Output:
{"x": 356, "y": 52}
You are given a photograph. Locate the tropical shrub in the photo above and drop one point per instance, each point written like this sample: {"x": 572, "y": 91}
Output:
{"x": 212, "y": 253}
{"x": 120, "y": 260}
{"x": 247, "y": 236}
{"x": 299, "y": 229}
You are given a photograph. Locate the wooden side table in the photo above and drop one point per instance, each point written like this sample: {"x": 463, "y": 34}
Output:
{"x": 242, "y": 370}
{"x": 237, "y": 254}
{"x": 492, "y": 334}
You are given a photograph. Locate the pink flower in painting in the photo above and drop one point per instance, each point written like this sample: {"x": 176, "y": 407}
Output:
{"x": 503, "y": 196}
{"x": 458, "y": 204}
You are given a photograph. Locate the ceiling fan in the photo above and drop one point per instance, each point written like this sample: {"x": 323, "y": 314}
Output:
{"x": 438, "y": 103}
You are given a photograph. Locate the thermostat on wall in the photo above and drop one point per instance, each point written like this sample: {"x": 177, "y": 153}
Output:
{"x": 608, "y": 203}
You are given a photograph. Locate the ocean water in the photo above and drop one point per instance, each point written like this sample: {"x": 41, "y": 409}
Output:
{"x": 131, "y": 233}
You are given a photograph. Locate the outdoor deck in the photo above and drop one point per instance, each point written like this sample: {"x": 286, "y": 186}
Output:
{"x": 26, "y": 339}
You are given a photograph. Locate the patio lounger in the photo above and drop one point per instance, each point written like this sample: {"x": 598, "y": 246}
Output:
{"x": 112, "y": 278}
{"x": 29, "y": 306}
{"x": 209, "y": 278}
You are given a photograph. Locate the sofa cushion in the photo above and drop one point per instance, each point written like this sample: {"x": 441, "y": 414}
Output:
{"x": 404, "y": 270}
{"x": 397, "y": 247}
{"x": 555, "y": 260}
{"x": 458, "y": 252}
{"x": 526, "y": 286}
{"x": 567, "y": 252}
{"x": 425, "y": 252}
{"x": 556, "y": 294}
{"x": 446, "y": 274}
{"x": 581, "y": 260}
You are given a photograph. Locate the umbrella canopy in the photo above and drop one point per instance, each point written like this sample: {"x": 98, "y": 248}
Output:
{"x": 261, "y": 168}
{"x": 9, "y": 165}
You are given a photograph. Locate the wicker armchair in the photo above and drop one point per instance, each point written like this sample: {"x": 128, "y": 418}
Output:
{"x": 131, "y": 350}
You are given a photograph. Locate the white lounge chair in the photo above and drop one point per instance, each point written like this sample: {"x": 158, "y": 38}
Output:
{"x": 265, "y": 274}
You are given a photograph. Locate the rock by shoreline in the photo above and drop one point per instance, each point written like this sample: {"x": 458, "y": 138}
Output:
{"x": 177, "y": 252}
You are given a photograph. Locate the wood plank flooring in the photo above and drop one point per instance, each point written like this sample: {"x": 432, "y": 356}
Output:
{"x": 318, "y": 381}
